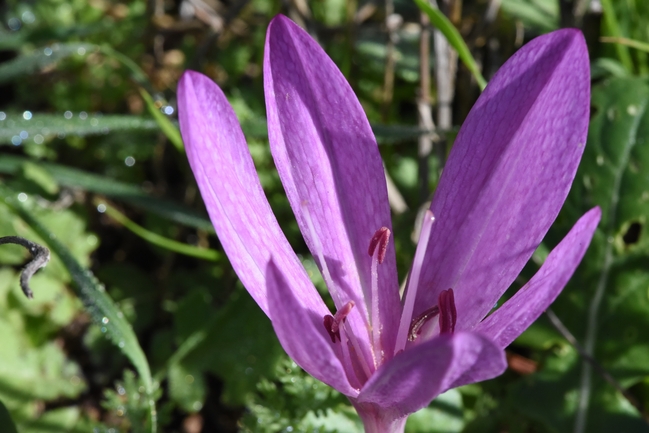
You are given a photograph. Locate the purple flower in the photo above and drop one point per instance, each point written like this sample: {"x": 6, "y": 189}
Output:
{"x": 506, "y": 178}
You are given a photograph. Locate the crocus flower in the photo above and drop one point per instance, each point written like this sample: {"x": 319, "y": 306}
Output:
{"x": 506, "y": 178}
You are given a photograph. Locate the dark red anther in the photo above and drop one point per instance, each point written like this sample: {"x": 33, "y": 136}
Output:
{"x": 447, "y": 311}
{"x": 380, "y": 239}
{"x": 328, "y": 324}
{"x": 420, "y": 321}
{"x": 332, "y": 323}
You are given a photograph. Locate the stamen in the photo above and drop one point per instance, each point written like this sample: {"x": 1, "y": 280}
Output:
{"x": 448, "y": 313}
{"x": 416, "y": 325}
{"x": 377, "y": 249}
{"x": 413, "y": 282}
{"x": 380, "y": 239}
{"x": 332, "y": 323}
{"x": 333, "y": 289}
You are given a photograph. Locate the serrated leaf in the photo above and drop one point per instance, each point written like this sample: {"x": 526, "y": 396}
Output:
{"x": 17, "y": 128}
{"x": 103, "y": 311}
{"x": 41, "y": 58}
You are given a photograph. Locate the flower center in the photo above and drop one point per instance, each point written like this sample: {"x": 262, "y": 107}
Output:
{"x": 445, "y": 308}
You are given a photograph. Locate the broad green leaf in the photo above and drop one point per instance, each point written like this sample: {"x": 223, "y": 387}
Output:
{"x": 6, "y": 423}
{"x": 99, "y": 305}
{"x": 16, "y": 128}
{"x": 41, "y": 58}
{"x": 439, "y": 20}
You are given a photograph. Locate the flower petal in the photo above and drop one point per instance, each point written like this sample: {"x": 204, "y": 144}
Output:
{"x": 508, "y": 174}
{"x": 329, "y": 162}
{"x": 519, "y": 312}
{"x": 302, "y": 334}
{"x": 414, "y": 377}
{"x": 235, "y": 201}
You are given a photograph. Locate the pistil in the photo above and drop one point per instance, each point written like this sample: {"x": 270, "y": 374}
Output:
{"x": 413, "y": 283}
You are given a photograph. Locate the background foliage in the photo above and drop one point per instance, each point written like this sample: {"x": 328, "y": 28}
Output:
{"x": 91, "y": 165}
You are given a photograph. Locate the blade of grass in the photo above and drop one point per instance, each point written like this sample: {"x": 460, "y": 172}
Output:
{"x": 154, "y": 238}
{"x": 439, "y": 20}
{"x": 125, "y": 192}
{"x": 168, "y": 128}
{"x": 103, "y": 311}
{"x": 631, "y": 43}
{"x": 613, "y": 28}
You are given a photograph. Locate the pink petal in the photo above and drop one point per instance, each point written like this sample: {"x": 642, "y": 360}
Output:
{"x": 328, "y": 161}
{"x": 226, "y": 176}
{"x": 302, "y": 334}
{"x": 519, "y": 312}
{"x": 508, "y": 174}
{"x": 414, "y": 377}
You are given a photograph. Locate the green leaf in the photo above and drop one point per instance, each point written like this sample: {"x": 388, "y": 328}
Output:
{"x": 444, "y": 415}
{"x": 128, "y": 193}
{"x": 614, "y": 30}
{"x": 167, "y": 127}
{"x": 541, "y": 15}
{"x": 439, "y": 20}
{"x": 17, "y": 128}
{"x": 41, "y": 58}
{"x": 156, "y": 239}
{"x": 6, "y": 423}
{"x": 100, "y": 306}
{"x": 606, "y": 304}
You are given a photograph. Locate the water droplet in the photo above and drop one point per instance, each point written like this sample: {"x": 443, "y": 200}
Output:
{"x": 16, "y": 140}
{"x": 38, "y": 139}
{"x": 47, "y": 51}
{"x": 81, "y": 51}
{"x": 68, "y": 114}
{"x": 28, "y": 17}
{"x": 14, "y": 24}
{"x": 197, "y": 405}
{"x": 22, "y": 197}
{"x": 27, "y": 115}
{"x": 168, "y": 110}
{"x": 129, "y": 161}
{"x": 3, "y": 116}
{"x": 632, "y": 110}
{"x": 121, "y": 344}
{"x": 24, "y": 135}
{"x": 94, "y": 121}
{"x": 105, "y": 320}
{"x": 121, "y": 390}
{"x": 120, "y": 314}
{"x": 83, "y": 115}
{"x": 101, "y": 208}
{"x": 103, "y": 329}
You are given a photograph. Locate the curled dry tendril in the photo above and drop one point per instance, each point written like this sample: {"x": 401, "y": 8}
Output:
{"x": 40, "y": 257}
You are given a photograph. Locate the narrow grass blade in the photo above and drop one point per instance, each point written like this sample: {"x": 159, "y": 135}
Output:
{"x": 631, "y": 43}
{"x": 125, "y": 192}
{"x": 454, "y": 38}
{"x": 613, "y": 28}
{"x": 168, "y": 128}
{"x": 156, "y": 239}
{"x": 17, "y": 128}
{"x": 103, "y": 311}
{"x": 40, "y": 59}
